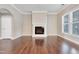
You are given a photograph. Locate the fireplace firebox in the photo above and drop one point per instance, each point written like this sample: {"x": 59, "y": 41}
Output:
{"x": 39, "y": 30}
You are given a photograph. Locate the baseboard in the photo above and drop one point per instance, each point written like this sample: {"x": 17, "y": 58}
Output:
{"x": 26, "y": 34}
{"x": 11, "y": 38}
{"x": 74, "y": 41}
{"x": 17, "y": 36}
{"x": 22, "y": 35}
{"x": 39, "y": 36}
{"x": 52, "y": 35}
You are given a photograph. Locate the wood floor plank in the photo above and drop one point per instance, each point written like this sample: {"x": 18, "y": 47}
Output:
{"x": 29, "y": 45}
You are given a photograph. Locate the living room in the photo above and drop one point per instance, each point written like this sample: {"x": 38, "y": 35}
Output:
{"x": 39, "y": 28}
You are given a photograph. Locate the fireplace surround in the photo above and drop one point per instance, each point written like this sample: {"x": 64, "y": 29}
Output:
{"x": 39, "y": 24}
{"x": 39, "y": 30}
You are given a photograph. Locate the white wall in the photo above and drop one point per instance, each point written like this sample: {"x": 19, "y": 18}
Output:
{"x": 17, "y": 19}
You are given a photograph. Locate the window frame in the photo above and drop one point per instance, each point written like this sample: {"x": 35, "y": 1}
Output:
{"x": 63, "y": 23}
{"x": 70, "y": 23}
{"x": 74, "y": 22}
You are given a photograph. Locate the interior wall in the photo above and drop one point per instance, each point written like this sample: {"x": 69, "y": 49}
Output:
{"x": 17, "y": 20}
{"x": 27, "y": 25}
{"x": 39, "y": 19}
{"x": 59, "y": 21}
{"x": 51, "y": 24}
{"x": 22, "y": 24}
{"x": 0, "y": 25}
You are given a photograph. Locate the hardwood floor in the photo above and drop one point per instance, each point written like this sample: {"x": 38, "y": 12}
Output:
{"x": 29, "y": 45}
{"x": 49, "y": 45}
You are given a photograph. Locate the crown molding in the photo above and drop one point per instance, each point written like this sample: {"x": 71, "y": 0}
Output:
{"x": 39, "y": 11}
{"x": 20, "y": 10}
{"x": 67, "y": 5}
{"x": 52, "y": 13}
{"x": 47, "y": 12}
{"x": 29, "y": 12}
{"x": 16, "y": 8}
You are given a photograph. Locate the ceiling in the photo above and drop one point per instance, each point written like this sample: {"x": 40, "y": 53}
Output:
{"x": 28, "y": 8}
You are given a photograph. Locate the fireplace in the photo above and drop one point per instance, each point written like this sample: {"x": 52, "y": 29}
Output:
{"x": 39, "y": 30}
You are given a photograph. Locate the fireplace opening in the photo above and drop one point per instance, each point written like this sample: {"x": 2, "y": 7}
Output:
{"x": 39, "y": 30}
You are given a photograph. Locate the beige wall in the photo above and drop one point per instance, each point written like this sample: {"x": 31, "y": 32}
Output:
{"x": 27, "y": 25}
{"x": 59, "y": 21}
{"x": 22, "y": 24}
{"x": 51, "y": 24}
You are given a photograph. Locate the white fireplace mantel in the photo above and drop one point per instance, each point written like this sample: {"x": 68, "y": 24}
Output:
{"x": 39, "y": 19}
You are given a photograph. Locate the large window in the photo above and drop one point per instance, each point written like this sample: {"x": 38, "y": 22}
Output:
{"x": 66, "y": 23}
{"x": 71, "y": 23}
{"x": 75, "y": 25}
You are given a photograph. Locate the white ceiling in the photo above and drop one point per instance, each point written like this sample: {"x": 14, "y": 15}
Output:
{"x": 27, "y": 8}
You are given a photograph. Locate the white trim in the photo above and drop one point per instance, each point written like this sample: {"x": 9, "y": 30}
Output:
{"x": 39, "y": 11}
{"x": 26, "y": 34}
{"x": 39, "y": 36}
{"x": 22, "y": 35}
{"x": 65, "y": 23}
{"x": 13, "y": 38}
{"x": 44, "y": 24}
{"x": 1, "y": 38}
{"x": 20, "y": 10}
{"x": 64, "y": 7}
{"x": 62, "y": 24}
{"x": 52, "y": 13}
{"x": 16, "y": 8}
{"x": 16, "y": 37}
{"x": 32, "y": 11}
{"x": 70, "y": 23}
{"x": 49, "y": 13}
{"x": 74, "y": 10}
{"x": 66, "y": 33}
{"x": 76, "y": 42}
{"x": 52, "y": 35}
{"x": 73, "y": 35}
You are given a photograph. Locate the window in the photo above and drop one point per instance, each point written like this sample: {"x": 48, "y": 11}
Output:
{"x": 71, "y": 23}
{"x": 66, "y": 24}
{"x": 6, "y": 24}
{"x": 75, "y": 25}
